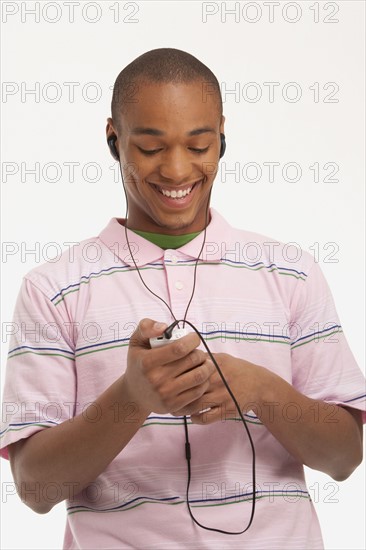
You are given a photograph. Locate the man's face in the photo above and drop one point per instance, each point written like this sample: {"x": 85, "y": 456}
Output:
{"x": 169, "y": 146}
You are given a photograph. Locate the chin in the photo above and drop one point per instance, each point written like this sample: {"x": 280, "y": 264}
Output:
{"x": 178, "y": 222}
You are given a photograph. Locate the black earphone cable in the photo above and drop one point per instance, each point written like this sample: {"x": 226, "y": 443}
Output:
{"x": 188, "y": 448}
{"x": 195, "y": 267}
{"x": 167, "y": 332}
{"x": 138, "y": 271}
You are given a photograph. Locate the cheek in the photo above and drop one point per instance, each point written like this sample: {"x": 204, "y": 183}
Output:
{"x": 210, "y": 169}
{"x": 136, "y": 166}
{"x": 135, "y": 174}
{"x": 131, "y": 173}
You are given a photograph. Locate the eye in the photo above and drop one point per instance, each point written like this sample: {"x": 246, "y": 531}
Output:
{"x": 154, "y": 151}
{"x": 149, "y": 151}
{"x": 199, "y": 151}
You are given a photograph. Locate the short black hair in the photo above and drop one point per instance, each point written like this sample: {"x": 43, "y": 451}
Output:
{"x": 159, "y": 66}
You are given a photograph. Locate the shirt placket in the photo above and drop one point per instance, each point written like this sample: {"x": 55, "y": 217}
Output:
{"x": 179, "y": 280}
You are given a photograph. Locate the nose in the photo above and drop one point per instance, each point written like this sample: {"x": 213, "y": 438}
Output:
{"x": 176, "y": 165}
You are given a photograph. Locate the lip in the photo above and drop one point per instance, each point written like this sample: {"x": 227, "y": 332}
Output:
{"x": 177, "y": 203}
{"x": 176, "y": 187}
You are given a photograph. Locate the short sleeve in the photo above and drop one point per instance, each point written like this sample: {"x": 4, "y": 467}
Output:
{"x": 40, "y": 381}
{"x": 324, "y": 367}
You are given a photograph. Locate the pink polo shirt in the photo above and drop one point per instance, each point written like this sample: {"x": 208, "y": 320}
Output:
{"x": 255, "y": 298}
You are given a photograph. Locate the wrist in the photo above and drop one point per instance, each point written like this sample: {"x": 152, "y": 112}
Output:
{"x": 128, "y": 396}
{"x": 264, "y": 389}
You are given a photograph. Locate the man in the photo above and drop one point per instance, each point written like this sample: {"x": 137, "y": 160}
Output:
{"x": 116, "y": 450}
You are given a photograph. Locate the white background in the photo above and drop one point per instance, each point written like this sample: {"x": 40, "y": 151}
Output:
{"x": 323, "y": 217}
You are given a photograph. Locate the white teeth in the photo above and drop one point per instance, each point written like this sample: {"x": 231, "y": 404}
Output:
{"x": 176, "y": 194}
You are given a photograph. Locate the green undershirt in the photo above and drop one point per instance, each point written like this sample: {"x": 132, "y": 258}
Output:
{"x": 167, "y": 241}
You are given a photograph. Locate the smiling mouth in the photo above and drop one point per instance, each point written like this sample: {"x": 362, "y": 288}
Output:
{"x": 177, "y": 193}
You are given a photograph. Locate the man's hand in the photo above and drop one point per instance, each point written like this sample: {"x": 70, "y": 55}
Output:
{"x": 165, "y": 379}
{"x": 331, "y": 443}
{"x": 242, "y": 377}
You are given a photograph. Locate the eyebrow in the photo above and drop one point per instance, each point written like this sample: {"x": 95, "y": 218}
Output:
{"x": 141, "y": 130}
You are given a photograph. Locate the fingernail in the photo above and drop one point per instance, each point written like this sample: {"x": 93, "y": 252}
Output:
{"x": 159, "y": 326}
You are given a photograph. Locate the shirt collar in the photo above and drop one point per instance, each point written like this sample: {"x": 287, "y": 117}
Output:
{"x": 145, "y": 252}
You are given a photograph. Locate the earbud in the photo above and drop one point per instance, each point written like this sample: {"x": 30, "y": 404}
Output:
{"x": 223, "y": 145}
{"x": 112, "y": 146}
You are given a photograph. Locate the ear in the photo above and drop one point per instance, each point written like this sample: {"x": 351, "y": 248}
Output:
{"x": 110, "y": 130}
{"x": 222, "y": 124}
{"x": 112, "y": 140}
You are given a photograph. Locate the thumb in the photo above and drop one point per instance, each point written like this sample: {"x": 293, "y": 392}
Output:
{"x": 147, "y": 328}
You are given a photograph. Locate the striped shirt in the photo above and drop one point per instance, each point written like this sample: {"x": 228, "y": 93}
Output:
{"x": 255, "y": 299}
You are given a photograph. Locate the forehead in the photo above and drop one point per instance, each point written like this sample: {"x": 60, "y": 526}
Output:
{"x": 170, "y": 104}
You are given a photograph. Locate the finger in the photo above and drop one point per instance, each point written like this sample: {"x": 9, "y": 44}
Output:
{"x": 191, "y": 361}
{"x": 207, "y": 417}
{"x": 175, "y": 351}
{"x": 194, "y": 377}
{"x": 204, "y": 404}
{"x": 147, "y": 328}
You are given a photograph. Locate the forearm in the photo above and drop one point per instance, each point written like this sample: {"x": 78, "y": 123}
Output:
{"x": 74, "y": 453}
{"x": 322, "y": 436}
